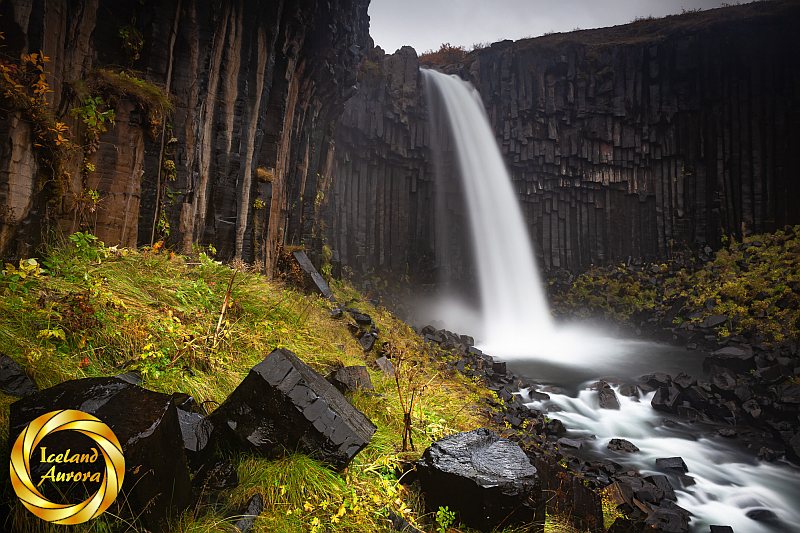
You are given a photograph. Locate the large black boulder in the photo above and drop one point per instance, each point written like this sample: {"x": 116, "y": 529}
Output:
{"x": 156, "y": 486}
{"x": 486, "y": 480}
{"x": 284, "y": 406}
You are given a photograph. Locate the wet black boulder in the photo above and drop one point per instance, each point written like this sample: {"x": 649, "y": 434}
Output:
{"x": 485, "y": 479}
{"x": 283, "y": 406}
{"x": 156, "y": 486}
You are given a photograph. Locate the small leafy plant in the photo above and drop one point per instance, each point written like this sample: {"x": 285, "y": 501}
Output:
{"x": 20, "y": 279}
{"x": 444, "y": 519}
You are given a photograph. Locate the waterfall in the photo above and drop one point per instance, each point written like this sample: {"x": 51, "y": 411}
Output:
{"x": 512, "y": 300}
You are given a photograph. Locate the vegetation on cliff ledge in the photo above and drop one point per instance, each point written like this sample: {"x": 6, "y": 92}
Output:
{"x": 753, "y": 284}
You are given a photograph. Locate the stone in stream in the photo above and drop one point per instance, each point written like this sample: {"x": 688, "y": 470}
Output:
{"x": 351, "y": 378}
{"x": 622, "y": 445}
{"x": 14, "y": 380}
{"x": 486, "y": 480}
{"x": 283, "y": 406}
{"x": 666, "y": 399}
{"x": 313, "y": 281}
{"x": 606, "y": 396}
{"x": 156, "y": 488}
{"x": 674, "y": 464}
{"x": 763, "y": 515}
{"x": 720, "y": 529}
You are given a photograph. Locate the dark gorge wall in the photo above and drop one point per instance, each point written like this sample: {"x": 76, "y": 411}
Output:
{"x": 238, "y": 157}
{"x": 634, "y": 141}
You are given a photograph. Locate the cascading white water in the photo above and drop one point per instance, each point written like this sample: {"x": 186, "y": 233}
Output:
{"x": 728, "y": 483}
{"x": 516, "y": 324}
{"x": 510, "y": 290}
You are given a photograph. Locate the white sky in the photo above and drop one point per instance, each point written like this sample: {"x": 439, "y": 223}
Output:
{"x": 425, "y": 24}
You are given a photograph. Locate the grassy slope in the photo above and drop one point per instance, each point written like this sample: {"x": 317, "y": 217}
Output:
{"x": 157, "y": 312}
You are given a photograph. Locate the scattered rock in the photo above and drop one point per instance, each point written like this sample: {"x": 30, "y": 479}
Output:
{"x": 284, "y": 405}
{"x": 728, "y": 433}
{"x": 714, "y": 321}
{"x": 721, "y": 529}
{"x": 362, "y": 319}
{"x": 669, "y": 519}
{"x": 14, "y": 380}
{"x": 663, "y": 485}
{"x": 385, "y": 365}
{"x": 684, "y": 381}
{"x": 570, "y": 443}
{"x": 674, "y": 464}
{"x": 157, "y": 485}
{"x": 622, "y": 445}
{"x": 499, "y": 367}
{"x": 486, "y": 480}
{"x": 367, "y": 341}
{"x": 791, "y": 394}
{"x": 248, "y": 517}
{"x": 738, "y": 359}
{"x": 555, "y": 427}
{"x": 313, "y": 281}
{"x": 351, "y": 378}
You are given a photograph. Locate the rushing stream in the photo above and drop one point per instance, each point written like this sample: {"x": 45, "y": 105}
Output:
{"x": 514, "y": 323}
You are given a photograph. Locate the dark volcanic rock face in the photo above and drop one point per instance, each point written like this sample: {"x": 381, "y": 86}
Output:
{"x": 284, "y": 406}
{"x": 254, "y": 84}
{"x": 156, "y": 486}
{"x": 486, "y": 480}
{"x": 625, "y": 141}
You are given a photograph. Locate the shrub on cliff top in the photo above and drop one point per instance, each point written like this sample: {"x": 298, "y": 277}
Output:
{"x": 447, "y": 54}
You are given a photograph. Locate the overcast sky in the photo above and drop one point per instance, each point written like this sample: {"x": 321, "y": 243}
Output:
{"x": 425, "y": 24}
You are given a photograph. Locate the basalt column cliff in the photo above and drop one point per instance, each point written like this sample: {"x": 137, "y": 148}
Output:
{"x": 195, "y": 122}
{"x": 635, "y": 141}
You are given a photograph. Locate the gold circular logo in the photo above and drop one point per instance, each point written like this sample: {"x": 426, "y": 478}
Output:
{"x": 92, "y": 427}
